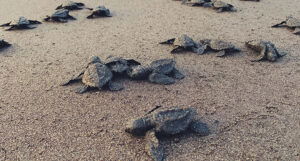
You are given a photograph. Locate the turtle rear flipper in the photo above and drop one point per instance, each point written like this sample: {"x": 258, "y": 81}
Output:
{"x": 221, "y": 53}
{"x": 199, "y": 128}
{"x": 170, "y": 41}
{"x": 297, "y": 31}
{"x": 153, "y": 147}
{"x": 5, "y": 25}
{"x": 82, "y": 89}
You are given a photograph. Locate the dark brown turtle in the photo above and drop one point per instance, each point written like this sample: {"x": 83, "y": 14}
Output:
{"x": 4, "y": 44}
{"x": 291, "y": 23}
{"x": 184, "y": 43}
{"x": 20, "y": 23}
{"x": 165, "y": 123}
{"x": 100, "y": 11}
{"x": 164, "y": 72}
{"x": 222, "y": 48}
{"x": 70, "y": 5}
{"x": 61, "y": 15}
{"x": 266, "y": 49}
{"x": 95, "y": 75}
{"x": 221, "y": 6}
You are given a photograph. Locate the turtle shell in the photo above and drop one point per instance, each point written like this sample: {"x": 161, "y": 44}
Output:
{"x": 173, "y": 121}
{"x": 62, "y": 13}
{"x": 220, "y": 45}
{"x": 184, "y": 41}
{"x": 163, "y": 66}
{"x": 19, "y": 22}
{"x": 220, "y": 4}
{"x": 102, "y": 11}
{"x": 97, "y": 75}
{"x": 293, "y": 22}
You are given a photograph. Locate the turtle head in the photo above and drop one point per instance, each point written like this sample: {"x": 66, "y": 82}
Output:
{"x": 95, "y": 59}
{"x": 139, "y": 126}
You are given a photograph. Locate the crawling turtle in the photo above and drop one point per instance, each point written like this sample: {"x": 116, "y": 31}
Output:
{"x": 21, "y": 23}
{"x": 4, "y": 44}
{"x": 95, "y": 75}
{"x": 100, "y": 11}
{"x": 221, "y": 6}
{"x": 120, "y": 65}
{"x": 223, "y": 48}
{"x": 61, "y": 15}
{"x": 266, "y": 49}
{"x": 291, "y": 23}
{"x": 184, "y": 43}
{"x": 165, "y": 123}
{"x": 72, "y": 6}
{"x": 164, "y": 72}
{"x": 201, "y": 3}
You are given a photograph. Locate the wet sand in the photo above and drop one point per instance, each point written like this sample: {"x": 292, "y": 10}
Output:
{"x": 252, "y": 108}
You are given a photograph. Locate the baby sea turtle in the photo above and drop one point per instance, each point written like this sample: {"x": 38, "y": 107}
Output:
{"x": 223, "y": 48}
{"x": 202, "y": 3}
{"x": 95, "y": 75}
{"x": 4, "y": 44}
{"x": 266, "y": 49}
{"x": 61, "y": 15}
{"x": 221, "y": 6}
{"x": 21, "y": 23}
{"x": 291, "y": 23}
{"x": 184, "y": 43}
{"x": 165, "y": 123}
{"x": 71, "y": 6}
{"x": 100, "y": 11}
{"x": 164, "y": 72}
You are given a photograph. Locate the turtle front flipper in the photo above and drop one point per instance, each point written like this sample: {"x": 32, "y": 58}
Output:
{"x": 48, "y": 18}
{"x": 297, "y": 31}
{"x": 82, "y": 89}
{"x": 178, "y": 49}
{"x": 74, "y": 79}
{"x": 262, "y": 54}
{"x": 170, "y": 41}
{"x": 34, "y": 22}
{"x": 153, "y": 147}
{"x": 279, "y": 25}
{"x": 199, "y": 127}
{"x": 59, "y": 7}
{"x": 114, "y": 86}
{"x": 90, "y": 16}
{"x": 5, "y": 25}
{"x": 221, "y": 53}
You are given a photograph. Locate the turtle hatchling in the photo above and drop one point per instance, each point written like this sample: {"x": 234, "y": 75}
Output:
{"x": 20, "y": 23}
{"x": 266, "y": 49}
{"x": 158, "y": 124}
{"x": 100, "y": 11}
{"x": 291, "y": 23}
{"x": 184, "y": 43}
{"x": 164, "y": 72}
{"x": 95, "y": 75}
{"x": 221, "y": 6}
{"x": 222, "y": 48}
{"x": 71, "y": 6}
{"x": 61, "y": 15}
{"x": 4, "y": 44}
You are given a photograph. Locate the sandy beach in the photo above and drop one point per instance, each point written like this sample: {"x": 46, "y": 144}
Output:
{"x": 252, "y": 108}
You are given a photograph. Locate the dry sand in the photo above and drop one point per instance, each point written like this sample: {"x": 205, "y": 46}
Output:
{"x": 252, "y": 108}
